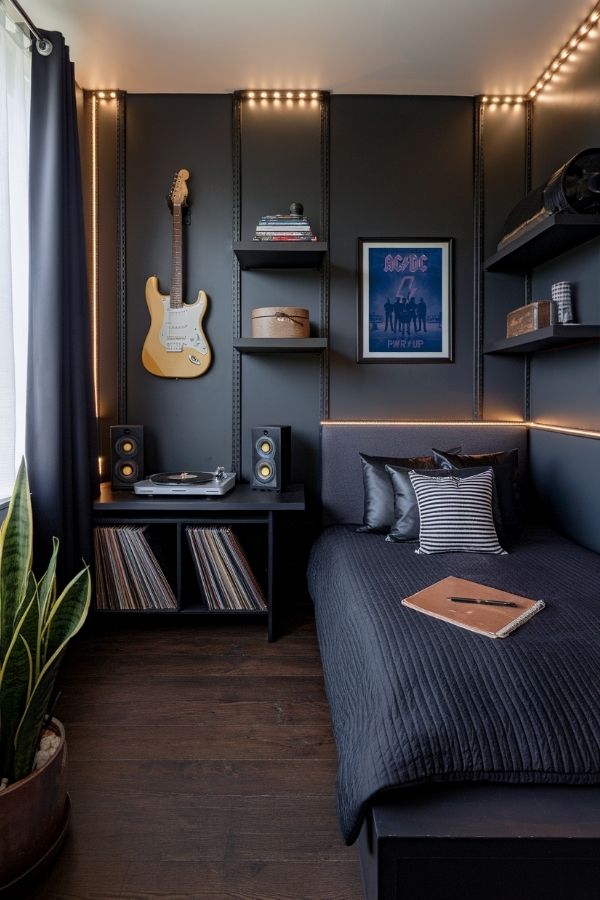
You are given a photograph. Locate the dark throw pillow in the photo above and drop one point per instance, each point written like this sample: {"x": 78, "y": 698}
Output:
{"x": 406, "y": 524}
{"x": 506, "y": 476}
{"x": 456, "y": 513}
{"x": 378, "y": 512}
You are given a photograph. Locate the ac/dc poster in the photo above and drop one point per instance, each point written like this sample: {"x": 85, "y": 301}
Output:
{"x": 404, "y": 300}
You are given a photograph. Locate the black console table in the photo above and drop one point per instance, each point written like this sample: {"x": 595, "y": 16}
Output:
{"x": 166, "y": 518}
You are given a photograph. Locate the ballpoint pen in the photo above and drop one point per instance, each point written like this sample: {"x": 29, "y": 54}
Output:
{"x": 482, "y": 602}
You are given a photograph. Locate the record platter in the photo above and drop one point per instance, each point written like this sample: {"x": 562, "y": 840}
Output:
{"x": 199, "y": 484}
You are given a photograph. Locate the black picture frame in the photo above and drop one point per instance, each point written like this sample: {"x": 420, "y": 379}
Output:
{"x": 405, "y": 300}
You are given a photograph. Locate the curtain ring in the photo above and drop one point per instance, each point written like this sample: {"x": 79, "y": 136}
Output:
{"x": 44, "y": 46}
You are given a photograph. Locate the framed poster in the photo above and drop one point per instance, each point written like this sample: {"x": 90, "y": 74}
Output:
{"x": 404, "y": 299}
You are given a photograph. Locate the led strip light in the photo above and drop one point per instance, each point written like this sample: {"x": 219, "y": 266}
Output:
{"x": 94, "y": 273}
{"x": 560, "y": 429}
{"x": 97, "y": 96}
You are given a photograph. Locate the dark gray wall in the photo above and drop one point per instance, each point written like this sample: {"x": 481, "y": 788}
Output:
{"x": 281, "y": 163}
{"x": 400, "y": 167}
{"x": 188, "y": 421}
{"x": 565, "y": 383}
{"x": 503, "y": 146}
{"x": 566, "y": 471}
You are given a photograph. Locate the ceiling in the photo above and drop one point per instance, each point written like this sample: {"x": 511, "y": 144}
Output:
{"x": 449, "y": 47}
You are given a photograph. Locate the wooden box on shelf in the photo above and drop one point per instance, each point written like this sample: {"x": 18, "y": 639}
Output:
{"x": 529, "y": 318}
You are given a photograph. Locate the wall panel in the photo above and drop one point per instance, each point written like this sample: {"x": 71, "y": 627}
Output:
{"x": 400, "y": 167}
{"x": 187, "y": 421}
{"x": 565, "y": 383}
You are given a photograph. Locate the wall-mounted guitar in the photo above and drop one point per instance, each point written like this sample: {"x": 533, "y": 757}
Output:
{"x": 176, "y": 346}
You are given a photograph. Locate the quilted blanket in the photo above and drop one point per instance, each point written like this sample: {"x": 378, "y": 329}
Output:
{"x": 417, "y": 700}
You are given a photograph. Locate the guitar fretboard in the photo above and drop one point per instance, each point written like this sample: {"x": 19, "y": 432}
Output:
{"x": 176, "y": 259}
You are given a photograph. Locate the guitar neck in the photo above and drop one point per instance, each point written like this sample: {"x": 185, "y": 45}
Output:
{"x": 177, "y": 259}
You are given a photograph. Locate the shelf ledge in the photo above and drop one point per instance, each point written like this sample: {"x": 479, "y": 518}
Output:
{"x": 280, "y": 254}
{"x": 549, "y": 238}
{"x": 545, "y": 339}
{"x": 280, "y": 345}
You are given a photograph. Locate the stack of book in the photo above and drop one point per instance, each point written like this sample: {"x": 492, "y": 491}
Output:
{"x": 128, "y": 575}
{"x": 223, "y": 570}
{"x": 286, "y": 227}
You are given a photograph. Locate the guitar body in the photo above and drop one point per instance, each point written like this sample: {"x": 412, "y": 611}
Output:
{"x": 175, "y": 346}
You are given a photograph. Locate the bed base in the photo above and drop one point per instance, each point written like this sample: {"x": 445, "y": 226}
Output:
{"x": 483, "y": 842}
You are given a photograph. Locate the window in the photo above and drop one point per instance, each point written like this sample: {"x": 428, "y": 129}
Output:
{"x": 15, "y": 81}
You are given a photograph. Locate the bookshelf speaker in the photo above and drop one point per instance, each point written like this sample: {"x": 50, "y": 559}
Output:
{"x": 126, "y": 455}
{"x": 271, "y": 446}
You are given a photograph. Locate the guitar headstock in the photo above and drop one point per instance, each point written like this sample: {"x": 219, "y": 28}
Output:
{"x": 179, "y": 191}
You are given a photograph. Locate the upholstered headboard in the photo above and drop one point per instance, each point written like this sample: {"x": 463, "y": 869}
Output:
{"x": 341, "y": 471}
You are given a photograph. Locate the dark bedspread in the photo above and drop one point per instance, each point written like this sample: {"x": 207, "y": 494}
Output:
{"x": 414, "y": 699}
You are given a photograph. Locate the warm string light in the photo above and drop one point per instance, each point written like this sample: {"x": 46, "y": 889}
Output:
{"x": 581, "y": 33}
{"x": 280, "y": 95}
{"x": 587, "y": 28}
{"x": 507, "y": 99}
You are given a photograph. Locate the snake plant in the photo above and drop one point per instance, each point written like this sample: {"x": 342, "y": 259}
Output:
{"x": 36, "y": 624}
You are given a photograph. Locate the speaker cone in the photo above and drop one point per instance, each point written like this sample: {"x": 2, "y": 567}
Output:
{"x": 126, "y": 446}
{"x": 265, "y": 447}
{"x": 126, "y": 470}
{"x": 264, "y": 471}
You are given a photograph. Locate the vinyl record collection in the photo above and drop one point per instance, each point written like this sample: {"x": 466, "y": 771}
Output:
{"x": 223, "y": 570}
{"x": 128, "y": 575}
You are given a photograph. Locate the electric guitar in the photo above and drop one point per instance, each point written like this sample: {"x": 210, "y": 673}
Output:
{"x": 176, "y": 346}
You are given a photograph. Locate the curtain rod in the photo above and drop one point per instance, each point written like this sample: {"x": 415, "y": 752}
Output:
{"x": 43, "y": 45}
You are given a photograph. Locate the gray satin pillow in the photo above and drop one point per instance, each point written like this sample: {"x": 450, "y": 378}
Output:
{"x": 378, "y": 512}
{"x": 406, "y": 509}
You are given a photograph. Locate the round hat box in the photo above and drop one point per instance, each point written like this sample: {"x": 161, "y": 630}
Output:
{"x": 280, "y": 322}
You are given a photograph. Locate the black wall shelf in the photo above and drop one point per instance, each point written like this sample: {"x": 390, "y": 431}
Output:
{"x": 545, "y": 339}
{"x": 280, "y": 254}
{"x": 551, "y": 237}
{"x": 280, "y": 345}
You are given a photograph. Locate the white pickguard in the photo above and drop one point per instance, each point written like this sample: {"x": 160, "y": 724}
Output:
{"x": 180, "y": 327}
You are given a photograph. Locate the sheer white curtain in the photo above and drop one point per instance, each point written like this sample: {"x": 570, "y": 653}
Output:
{"x": 15, "y": 80}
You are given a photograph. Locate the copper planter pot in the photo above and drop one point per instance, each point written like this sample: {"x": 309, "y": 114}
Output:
{"x": 34, "y": 816}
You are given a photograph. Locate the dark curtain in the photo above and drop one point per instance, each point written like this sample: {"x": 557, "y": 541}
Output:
{"x": 61, "y": 439}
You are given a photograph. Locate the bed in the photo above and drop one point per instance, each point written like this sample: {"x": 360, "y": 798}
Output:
{"x": 467, "y": 767}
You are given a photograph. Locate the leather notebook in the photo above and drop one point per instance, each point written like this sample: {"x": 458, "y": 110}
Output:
{"x": 490, "y": 620}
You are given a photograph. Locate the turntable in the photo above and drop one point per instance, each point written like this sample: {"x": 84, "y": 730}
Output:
{"x": 191, "y": 484}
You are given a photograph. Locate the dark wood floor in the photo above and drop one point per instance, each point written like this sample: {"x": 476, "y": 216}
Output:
{"x": 201, "y": 765}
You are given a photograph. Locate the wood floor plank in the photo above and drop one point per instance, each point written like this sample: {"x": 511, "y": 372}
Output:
{"x": 201, "y": 765}
{"x": 181, "y": 713}
{"x": 166, "y": 688}
{"x": 132, "y": 667}
{"x": 289, "y": 778}
{"x": 200, "y": 742}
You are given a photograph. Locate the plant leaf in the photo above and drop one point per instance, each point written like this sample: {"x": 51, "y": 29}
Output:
{"x": 15, "y": 557}
{"x": 47, "y": 595}
{"x": 65, "y": 620}
{"x": 17, "y": 678}
{"x": 68, "y": 613}
{"x": 28, "y": 733}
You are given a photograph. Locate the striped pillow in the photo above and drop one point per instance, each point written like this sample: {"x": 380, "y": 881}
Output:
{"x": 456, "y": 514}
